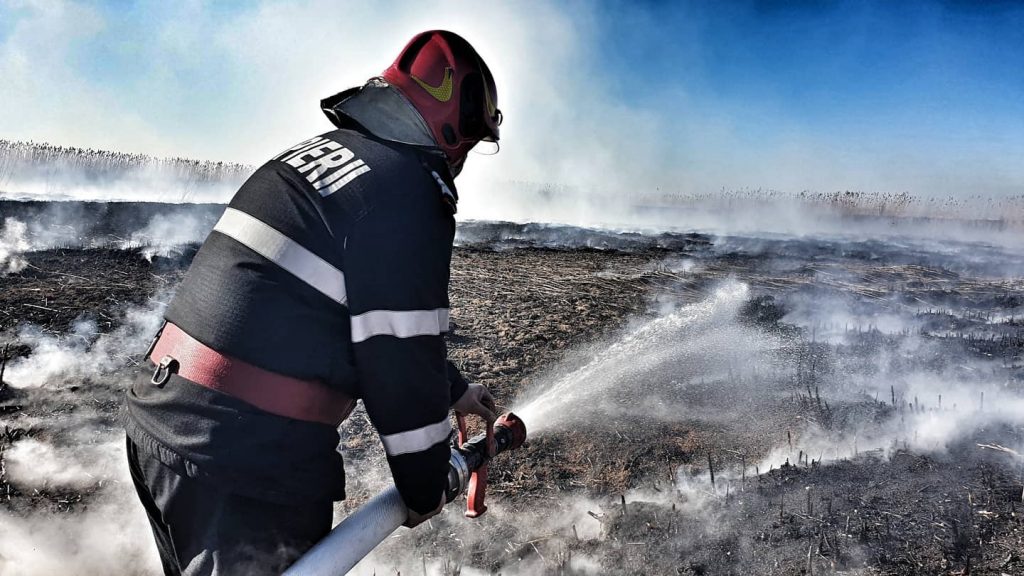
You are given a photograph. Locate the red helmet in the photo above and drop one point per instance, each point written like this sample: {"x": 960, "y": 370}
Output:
{"x": 451, "y": 87}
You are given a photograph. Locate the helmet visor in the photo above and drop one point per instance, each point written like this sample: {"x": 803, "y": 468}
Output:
{"x": 492, "y": 127}
{"x": 479, "y": 118}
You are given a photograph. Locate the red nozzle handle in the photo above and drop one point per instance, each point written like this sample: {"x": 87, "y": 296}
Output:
{"x": 477, "y": 489}
{"x": 463, "y": 436}
{"x": 475, "y": 506}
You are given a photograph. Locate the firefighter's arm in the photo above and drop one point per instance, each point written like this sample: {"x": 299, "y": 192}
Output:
{"x": 470, "y": 398}
{"x": 396, "y": 276}
{"x": 457, "y": 383}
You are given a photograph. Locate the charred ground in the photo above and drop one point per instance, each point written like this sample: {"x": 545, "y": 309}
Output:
{"x": 517, "y": 311}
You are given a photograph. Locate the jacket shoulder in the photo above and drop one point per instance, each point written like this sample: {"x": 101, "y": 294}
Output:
{"x": 349, "y": 161}
{"x": 331, "y": 161}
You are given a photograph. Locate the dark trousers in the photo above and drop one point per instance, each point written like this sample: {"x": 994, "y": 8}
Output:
{"x": 202, "y": 529}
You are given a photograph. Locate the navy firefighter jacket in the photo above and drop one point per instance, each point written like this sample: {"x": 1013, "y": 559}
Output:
{"x": 331, "y": 263}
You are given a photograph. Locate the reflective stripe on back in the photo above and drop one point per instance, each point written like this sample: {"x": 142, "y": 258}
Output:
{"x": 283, "y": 251}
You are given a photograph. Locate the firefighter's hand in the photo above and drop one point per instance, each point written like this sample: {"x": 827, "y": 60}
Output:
{"x": 415, "y": 519}
{"x": 477, "y": 400}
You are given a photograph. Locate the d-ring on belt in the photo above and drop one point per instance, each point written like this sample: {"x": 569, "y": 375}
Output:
{"x": 176, "y": 352}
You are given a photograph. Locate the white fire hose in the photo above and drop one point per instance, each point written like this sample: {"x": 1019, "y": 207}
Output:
{"x": 354, "y": 537}
{"x": 363, "y": 530}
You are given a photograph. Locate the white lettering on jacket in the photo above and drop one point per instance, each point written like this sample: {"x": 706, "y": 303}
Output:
{"x": 326, "y": 164}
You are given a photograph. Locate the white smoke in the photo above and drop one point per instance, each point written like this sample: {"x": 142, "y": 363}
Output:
{"x": 85, "y": 354}
{"x": 572, "y": 518}
{"x": 166, "y": 235}
{"x": 677, "y": 348}
{"x": 13, "y": 242}
{"x": 221, "y": 95}
{"x": 151, "y": 229}
{"x": 33, "y": 171}
{"x": 60, "y": 225}
{"x": 77, "y": 451}
{"x": 941, "y": 395}
{"x": 77, "y": 463}
{"x": 110, "y": 535}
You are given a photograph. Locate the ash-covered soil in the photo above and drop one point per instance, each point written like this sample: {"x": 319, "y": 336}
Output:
{"x": 819, "y": 452}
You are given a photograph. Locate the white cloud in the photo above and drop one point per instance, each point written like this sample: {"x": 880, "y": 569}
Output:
{"x": 269, "y": 65}
{"x": 239, "y": 84}
{"x": 45, "y": 98}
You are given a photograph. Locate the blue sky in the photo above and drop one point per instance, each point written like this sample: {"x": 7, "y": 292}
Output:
{"x": 886, "y": 70}
{"x": 938, "y": 84}
{"x": 926, "y": 97}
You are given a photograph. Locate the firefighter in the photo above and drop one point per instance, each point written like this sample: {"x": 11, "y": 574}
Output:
{"x": 325, "y": 281}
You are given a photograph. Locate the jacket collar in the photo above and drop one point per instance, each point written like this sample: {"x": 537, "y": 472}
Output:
{"x": 378, "y": 109}
{"x": 381, "y": 110}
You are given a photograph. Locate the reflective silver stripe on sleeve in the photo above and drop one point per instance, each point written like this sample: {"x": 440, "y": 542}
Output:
{"x": 442, "y": 319}
{"x": 417, "y": 440}
{"x": 399, "y": 323}
{"x": 283, "y": 251}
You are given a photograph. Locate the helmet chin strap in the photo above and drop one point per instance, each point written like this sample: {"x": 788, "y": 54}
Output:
{"x": 456, "y": 166}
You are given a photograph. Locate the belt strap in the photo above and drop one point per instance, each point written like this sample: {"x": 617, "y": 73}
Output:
{"x": 309, "y": 400}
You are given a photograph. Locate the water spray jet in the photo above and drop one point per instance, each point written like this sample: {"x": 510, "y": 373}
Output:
{"x": 696, "y": 339}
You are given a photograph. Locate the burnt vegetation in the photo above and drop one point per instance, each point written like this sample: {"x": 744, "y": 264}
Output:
{"x": 773, "y": 469}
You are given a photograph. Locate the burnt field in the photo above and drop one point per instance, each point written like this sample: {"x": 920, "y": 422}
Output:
{"x": 696, "y": 405}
